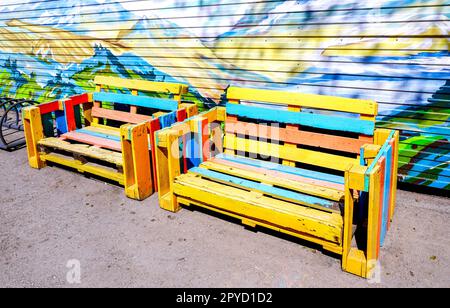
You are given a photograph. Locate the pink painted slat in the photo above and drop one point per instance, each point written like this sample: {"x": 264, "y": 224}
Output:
{"x": 121, "y": 116}
{"x": 92, "y": 140}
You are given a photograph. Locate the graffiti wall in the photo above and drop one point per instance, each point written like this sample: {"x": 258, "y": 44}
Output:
{"x": 394, "y": 52}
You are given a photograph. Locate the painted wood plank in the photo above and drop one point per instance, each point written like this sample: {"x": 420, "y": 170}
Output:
{"x": 380, "y": 153}
{"x": 121, "y": 116}
{"x": 93, "y": 140}
{"x": 168, "y": 119}
{"x": 109, "y": 130}
{"x": 96, "y": 170}
{"x": 304, "y": 100}
{"x": 325, "y": 160}
{"x": 387, "y": 194}
{"x": 344, "y": 144}
{"x": 99, "y": 134}
{"x": 301, "y": 180}
{"x": 154, "y": 126}
{"x": 284, "y": 214}
{"x": 267, "y": 189}
{"x": 382, "y": 165}
{"x": 48, "y": 107}
{"x": 140, "y": 101}
{"x": 280, "y": 180}
{"x": 83, "y": 149}
{"x": 141, "y": 85}
{"x": 331, "y": 178}
{"x": 320, "y": 121}
{"x": 61, "y": 123}
{"x": 373, "y": 218}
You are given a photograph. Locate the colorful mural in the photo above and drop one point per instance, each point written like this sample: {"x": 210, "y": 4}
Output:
{"x": 395, "y": 52}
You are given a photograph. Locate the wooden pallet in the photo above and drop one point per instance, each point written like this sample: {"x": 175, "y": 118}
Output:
{"x": 311, "y": 166}
{"x": 95, "y": 132}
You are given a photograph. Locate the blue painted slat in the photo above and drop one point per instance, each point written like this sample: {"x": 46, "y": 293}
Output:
{"x": 387, "y": 191}
{"x": 168, "y": 119}
{"x": 61, "y": 122}
{"x": 192, "y": 150}
{"x": 302, "y": 118}
{"x": 286, "y": 194}
{"x": 140, "y": 101}
{"x": 97, "y": 134}
{"x": 286, "y": 169}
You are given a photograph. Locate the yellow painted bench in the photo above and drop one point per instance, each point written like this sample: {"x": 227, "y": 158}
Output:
{"x": 311, "y": 166}
{"x": 108, "y": 133}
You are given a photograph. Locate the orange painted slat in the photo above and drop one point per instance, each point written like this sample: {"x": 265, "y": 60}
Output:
{"x": 121, "y": 116}
{"x": 339, "y": 143}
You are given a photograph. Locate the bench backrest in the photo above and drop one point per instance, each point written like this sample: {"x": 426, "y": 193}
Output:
{"x": 134, "y": 108}
{"x": 317, "y": 130}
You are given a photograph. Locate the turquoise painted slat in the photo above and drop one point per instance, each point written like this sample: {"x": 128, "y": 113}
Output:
{"x": 166, "y": 120}
{"x": 140, "y": 101}
{"x": 387, "y": 191}
{"x": 284, "y": 194}
{"x": 302, "y": 118}
{"x": 97, "y": 134}
{"x": 286, "y": 169}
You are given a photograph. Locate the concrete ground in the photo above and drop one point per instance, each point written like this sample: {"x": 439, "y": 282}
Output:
{"x": 51, "y": 216}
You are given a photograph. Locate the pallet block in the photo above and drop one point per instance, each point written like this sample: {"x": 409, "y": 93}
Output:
{"x": 321, "y": 176}
{"x": 107, "y": 134}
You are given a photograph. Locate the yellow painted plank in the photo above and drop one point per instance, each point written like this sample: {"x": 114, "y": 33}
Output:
{"x": 365, "y": 107}
{"x": 285, "y": 215}
{"x": 324, "y": 192}
{"x": 103, "y": 129}
{"x": 335, "y": 248}
{"x": 141, "y": 85}
{"x": 34, "y": 132}
{"x": 96, "y": 170}
{"x": 84, "y": 150}
{"x": 320, "y": 159}
{"x": 373, "y": 220}
{"x": 117, "y": 129}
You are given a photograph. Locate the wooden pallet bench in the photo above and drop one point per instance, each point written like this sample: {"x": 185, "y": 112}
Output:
{"x": 108, "y": 133}
{"x": 311, "y": 166}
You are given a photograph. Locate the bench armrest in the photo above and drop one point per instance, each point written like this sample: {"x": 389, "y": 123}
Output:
{"x": 182, "y": 146}
{"x": 379, "y": 193}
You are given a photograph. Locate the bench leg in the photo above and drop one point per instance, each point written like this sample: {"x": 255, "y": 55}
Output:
{"x": 168, "y": 168}
{"x": 34, "y": 131}
{"x": 136, "y": 161}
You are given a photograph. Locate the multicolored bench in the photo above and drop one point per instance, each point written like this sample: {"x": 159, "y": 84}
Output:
{"x": 311, "y": 166}
{"x": 107, "y": 134}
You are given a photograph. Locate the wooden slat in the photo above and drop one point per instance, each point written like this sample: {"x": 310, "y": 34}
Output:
{"x": 141, "y": 85}
{"x": 338, "y": 143}
{"x": 304, "y": 100}
{"x": 284, "y": 169}
{"x": 320, "y": 121}
{"x": 93, "y": 140}
{"x": 121, "y": 116}
{"x": 278, "y": 193}
{"x": 325, "y": 160}
{"x": 84, "y": 150}
{"x": 280, "y": 181}
{"x": 286, "y": 215}
{"x": 109, "y": 130}
{"x": 97, "y": 170}
{"x": 263, "y": 171}
{"x": 140, "y": 101}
